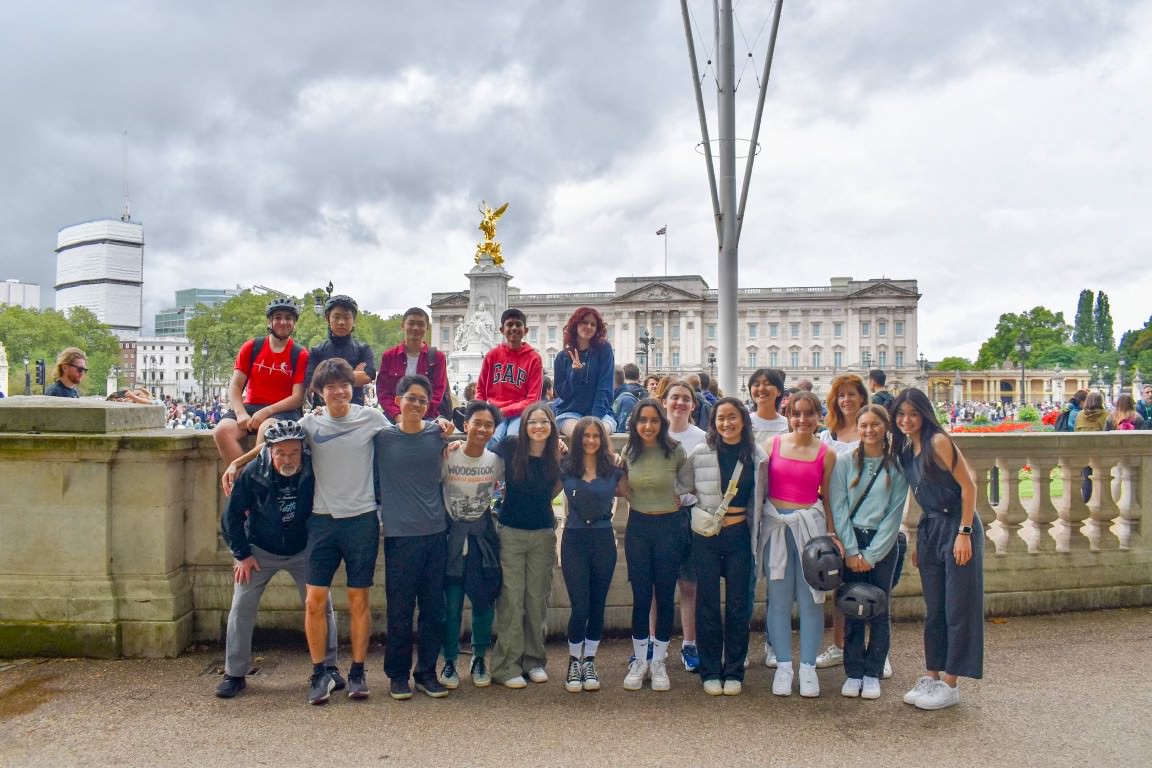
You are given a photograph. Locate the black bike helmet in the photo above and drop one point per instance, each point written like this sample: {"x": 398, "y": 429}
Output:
{"x": 340, "y": 300}
{"x": 283, "y": 430}
{"x": 860, "y": 600}
{"x": 282, "y": 303}
{"x": 823, "y": 566}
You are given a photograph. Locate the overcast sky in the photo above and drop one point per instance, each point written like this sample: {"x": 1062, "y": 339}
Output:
{"x": 998, "y": 151}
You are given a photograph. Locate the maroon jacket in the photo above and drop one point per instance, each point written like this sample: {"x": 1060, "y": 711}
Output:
{"x": 394, "y": 363}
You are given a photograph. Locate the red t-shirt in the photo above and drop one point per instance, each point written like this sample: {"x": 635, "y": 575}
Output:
{"x": 270, "y": 376}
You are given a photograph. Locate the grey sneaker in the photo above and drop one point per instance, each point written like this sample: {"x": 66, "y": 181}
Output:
{"x": 337, "y": 678}
{"x": 357, "y": 686}
{"x": 448, "y": 678}
{"x": 480, "y": 676}
{"x": 320, "y": 688}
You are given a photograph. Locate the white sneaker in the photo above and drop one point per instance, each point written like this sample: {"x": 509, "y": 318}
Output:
{"x": 941, "y": 696}
{"x": 769, "y": 656}
{"x": 870, "y": 689}
{"x": 658, "y": 671}
{"x": 516, "y": 682}
{"x": 538, "y": 675}
{"x": 713, "y": 687}
{"x": 733, "y": 687}
{"x": 747, "y": 661}
{"x": 923, "y": 685}
{"x": 782, "y": 682}
{"x": 851, "y": 688}
{"x": 637, "y": 671}
{"x": 809, "y": 683}
{"x": 832, "y": 657}
{"x": 887, "y": 669}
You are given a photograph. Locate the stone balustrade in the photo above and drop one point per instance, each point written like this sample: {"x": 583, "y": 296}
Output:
{"x": 109, "y": 542}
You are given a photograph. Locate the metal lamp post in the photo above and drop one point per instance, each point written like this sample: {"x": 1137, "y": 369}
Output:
{"x": 204, "y": 372}
{"x": 321, "y": 300}
{"x": 645, "y": 341}
{"x": 866, "y": 359}
{"x": 1119, "y": 389}
{"x": 1023, "y": 347}
{"x": 712, "y": 363}
{"x": 27, "y": 377}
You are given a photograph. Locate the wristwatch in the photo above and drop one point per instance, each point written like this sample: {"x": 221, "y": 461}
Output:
{"x": 965, "y": 529}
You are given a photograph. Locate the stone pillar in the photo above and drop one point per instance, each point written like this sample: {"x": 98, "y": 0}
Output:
{"x": 487, "y": 299}
{"x": 4, "y": 372}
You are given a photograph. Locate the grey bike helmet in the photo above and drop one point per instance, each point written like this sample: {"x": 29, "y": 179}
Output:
{"x": 860, "y": 600}
{"x": 822, "y": 563}
{"x": 283, "y": 430}
{"x": 282, "y": 303}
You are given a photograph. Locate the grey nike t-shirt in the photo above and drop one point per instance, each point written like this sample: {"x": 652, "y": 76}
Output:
{"x": 342, "y": 460}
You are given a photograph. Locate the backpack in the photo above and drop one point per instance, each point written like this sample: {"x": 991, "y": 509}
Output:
{"x": 446, "y": 407}
{"x": 702, "y": 414}
{"x": 1061, "y": 424}
{"x": 622, "y": 408}
{"x": 258, "y": 345}
{"x": 1126, "y": 424}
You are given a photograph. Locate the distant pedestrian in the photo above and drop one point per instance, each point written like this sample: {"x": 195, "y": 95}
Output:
{"x": 71, "y": 366}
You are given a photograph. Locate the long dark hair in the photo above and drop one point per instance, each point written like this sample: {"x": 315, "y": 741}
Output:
{"x": 929, "y": 427}
{"x": 573, "y": 463}
{"x": 636, "y": 443}
{"x": 518, "y": 466}
{"x": 888, "y": 462}
{"x": 747, "y": 448}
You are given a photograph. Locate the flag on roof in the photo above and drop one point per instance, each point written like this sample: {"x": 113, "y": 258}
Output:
{"x": 663, "y": 230}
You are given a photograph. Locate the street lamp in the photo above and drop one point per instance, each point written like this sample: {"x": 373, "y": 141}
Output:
{"x": 27, "y": 377}
{"x": 1023, "y": 347}
{"x": 712, "y": 363}
{"x": 866, "y": 358}
{"x": 923, "y": 364}
{"x": 204, "y": 372}
{"x": 1120, "y": 376}
{"x": 320, "y": 300}
{"x": 645, "y": 341}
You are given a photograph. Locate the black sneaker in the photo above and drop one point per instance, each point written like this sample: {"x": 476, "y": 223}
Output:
{"x": 431, "y": 686}
{"x": 230, "y": 686}
{"x": 357, "y": 686}
{"x": 320, "y": 688}
{"x": 337, "y": 678}
{"x": 400, "y": 690}
{"x": 574, "y": 681}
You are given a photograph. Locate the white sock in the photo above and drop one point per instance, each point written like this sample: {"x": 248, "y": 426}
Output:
{"x": 659, "y": 650}
{"x": 640, "y": 648}
{"x": 576, "y": 650}
{"x": 590, "y": 648}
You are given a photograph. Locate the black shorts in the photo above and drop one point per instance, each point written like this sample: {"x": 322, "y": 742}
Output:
{"x": 355, "y": 541}
{"x": 253, "y": 407}
{"x": 687, "y": 564}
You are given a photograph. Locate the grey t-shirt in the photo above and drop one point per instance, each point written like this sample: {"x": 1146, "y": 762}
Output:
{"x": 408, "y": 470}
{"x": 342, "y": 460}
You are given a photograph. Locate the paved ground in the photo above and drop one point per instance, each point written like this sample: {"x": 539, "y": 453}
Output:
{"x": 1069, "y": 690}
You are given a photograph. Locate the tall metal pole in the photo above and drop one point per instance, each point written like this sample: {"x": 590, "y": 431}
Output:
{"x": 728, "y": 272}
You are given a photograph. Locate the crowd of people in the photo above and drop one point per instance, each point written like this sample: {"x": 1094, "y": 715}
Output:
{"x": 473, "y": 519}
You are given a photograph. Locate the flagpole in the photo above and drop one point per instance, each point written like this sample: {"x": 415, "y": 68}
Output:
{"x": 663, "y": 232}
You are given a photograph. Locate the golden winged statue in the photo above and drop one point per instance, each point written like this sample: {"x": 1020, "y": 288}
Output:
{"x": 488, "y": 227}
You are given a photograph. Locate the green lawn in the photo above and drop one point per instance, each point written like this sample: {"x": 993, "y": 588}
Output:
{"x": 1055, "y": 484}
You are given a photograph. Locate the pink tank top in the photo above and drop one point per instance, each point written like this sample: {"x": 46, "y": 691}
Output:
{"x": 793, "y": 480}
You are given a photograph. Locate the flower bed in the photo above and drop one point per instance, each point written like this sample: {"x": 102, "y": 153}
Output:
{"x": 1002, "y": 427}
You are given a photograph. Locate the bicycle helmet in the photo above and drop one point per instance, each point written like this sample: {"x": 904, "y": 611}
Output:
{"x": 823, "y": 566}
{"x": 860, "y": 600}
{"x": 283, "y": 430}
{"x": 340, "y": 300}
{"x": 282, "y": 303}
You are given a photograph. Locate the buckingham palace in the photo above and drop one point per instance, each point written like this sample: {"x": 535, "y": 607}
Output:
{"x": 667, "y": 325}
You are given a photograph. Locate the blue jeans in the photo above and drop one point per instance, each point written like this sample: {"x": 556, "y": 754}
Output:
{"x": 782, "y": 593}
{"x": 503, "y": 429}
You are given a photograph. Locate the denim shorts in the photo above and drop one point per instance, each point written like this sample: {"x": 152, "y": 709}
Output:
{"x": 607, "y": 419}
{"x": 353, "y": 540}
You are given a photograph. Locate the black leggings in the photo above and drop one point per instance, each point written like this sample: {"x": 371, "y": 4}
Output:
{"x": 587, "y": 560}
{"x": 653, "y": 545}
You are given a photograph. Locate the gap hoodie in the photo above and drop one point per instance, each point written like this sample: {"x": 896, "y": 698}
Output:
{"x": 511, "y": 379}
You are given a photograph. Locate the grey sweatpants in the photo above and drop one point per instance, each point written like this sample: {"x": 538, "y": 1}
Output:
{"x": 246, "y": 603}
{"x": 953, "y": 597}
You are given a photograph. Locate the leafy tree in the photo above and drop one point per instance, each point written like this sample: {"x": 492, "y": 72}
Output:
{"x": 1102, "y": 319}
{"x": 1084, "y": 329}
{"x": 1044, "y": 328}
{"x": 43, "y": 334}
{"x": 954, "y": 364}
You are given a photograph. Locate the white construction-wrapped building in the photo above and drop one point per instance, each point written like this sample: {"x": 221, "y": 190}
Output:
{"x": 100, "y": 266}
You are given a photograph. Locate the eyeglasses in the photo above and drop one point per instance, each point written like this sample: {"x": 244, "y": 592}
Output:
{"x": 77, "y": 367}
{"x": 414, "y": 400}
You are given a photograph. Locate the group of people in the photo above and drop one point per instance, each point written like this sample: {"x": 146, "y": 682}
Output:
{"x": 474, "y": 519}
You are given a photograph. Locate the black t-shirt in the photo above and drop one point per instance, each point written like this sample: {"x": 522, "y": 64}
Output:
{"x": 528, "y": 502}
{"x": 728, "y": 455}
{"x": 59, "y": 389}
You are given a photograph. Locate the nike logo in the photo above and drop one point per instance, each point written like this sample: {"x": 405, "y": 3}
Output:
{"x": 332, "y": 436}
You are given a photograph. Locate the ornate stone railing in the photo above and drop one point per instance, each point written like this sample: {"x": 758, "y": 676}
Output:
{"x": 109, "y": 540}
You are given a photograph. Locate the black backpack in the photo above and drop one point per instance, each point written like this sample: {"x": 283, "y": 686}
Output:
{"x": 1061, "y": 424}
{"x": 446, "y": 407}
{"x": 258, "y": 345}
{"x": 622, "y": 408}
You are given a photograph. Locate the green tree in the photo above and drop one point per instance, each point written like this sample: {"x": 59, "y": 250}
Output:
{"x": 1084, "y": 329}
{"x": 1102, "y": 319}
{"x": 1043, "y": 328}
{"x": 43, "y": 334}
{"x": 954, "y": 364}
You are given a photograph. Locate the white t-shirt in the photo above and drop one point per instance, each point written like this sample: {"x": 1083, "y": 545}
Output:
{"x": 764, "y": 429}
{"x": 469, "y": 483}
{"x": 841, "y": 447}
{"x": 413, "y": 362}
{"x": 689, "y": 438}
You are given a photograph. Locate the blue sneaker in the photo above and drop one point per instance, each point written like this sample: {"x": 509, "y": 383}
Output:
{"x": 691, "y": 658}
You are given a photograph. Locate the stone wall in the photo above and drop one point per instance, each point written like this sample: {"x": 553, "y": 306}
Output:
{"x": 109, "y": 542}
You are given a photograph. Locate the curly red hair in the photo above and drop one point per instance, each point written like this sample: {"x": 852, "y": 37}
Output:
{"x": 574, "y": 320}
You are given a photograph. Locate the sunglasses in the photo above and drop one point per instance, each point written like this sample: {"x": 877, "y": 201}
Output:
{"x": 77, "y": 367}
